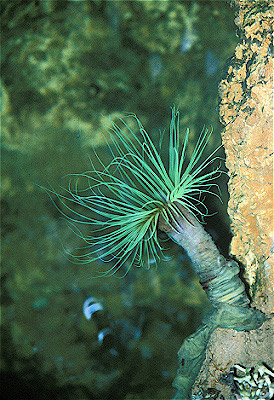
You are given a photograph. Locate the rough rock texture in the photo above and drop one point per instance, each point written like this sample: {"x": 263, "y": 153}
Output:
{"x": 246, "y": 112}
{"x": 247, "y": 348}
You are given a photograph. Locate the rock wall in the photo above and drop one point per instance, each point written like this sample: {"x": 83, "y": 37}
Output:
{"x": 245, "y": 109}
{"x": 246, "y": 112}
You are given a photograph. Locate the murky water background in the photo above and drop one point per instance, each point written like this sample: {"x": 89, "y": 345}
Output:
{"x": 66, "y": 65}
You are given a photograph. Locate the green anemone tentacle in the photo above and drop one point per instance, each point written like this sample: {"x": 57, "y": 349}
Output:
{"x": 123, "y": 201}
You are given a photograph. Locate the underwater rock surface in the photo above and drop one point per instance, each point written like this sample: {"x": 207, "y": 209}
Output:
{"x": 246, "y": 111}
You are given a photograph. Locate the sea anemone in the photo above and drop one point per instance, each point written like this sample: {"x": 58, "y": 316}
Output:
{"x": 124, "y": 200}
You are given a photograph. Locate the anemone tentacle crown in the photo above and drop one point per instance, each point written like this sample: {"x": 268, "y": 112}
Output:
{"x": 125, "y": 199}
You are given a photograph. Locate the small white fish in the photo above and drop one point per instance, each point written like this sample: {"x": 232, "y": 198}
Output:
{"x": 155, "y": 65}
{"x": 90, "y": 306}
{"x": 189, "y": 39}
{"x": 102, "y": 334}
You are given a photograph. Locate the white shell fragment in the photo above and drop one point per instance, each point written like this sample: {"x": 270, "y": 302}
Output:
{"x": 254, "y": 383}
